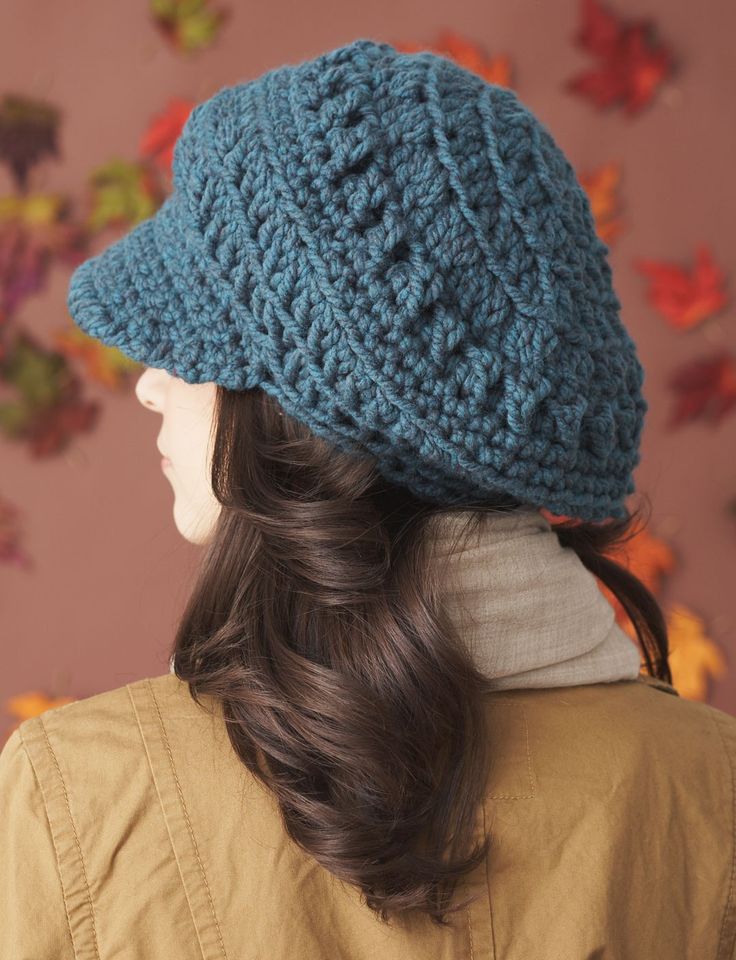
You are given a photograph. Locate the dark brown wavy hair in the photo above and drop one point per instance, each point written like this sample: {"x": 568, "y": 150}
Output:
{"x": 316, "y": 620}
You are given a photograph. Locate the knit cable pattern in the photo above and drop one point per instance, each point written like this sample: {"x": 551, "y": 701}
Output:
{"x": 399, "y": 252}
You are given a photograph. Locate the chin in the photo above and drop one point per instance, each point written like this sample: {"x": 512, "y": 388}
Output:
{"x": 197, "y": 530}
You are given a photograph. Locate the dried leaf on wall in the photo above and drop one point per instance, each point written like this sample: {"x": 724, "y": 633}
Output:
{"x": 105, "y": 365}
{"x": 157, "y": 143}
{"x": 23, "y": 706}
{"x": 28, "y": 135}
{"x": 649, "y": 558}
{"x": 685, "y": 299}
{"x": 466, "y": 53}
{"x": 705, "y": 389}
{"x": 48, "y": 409}
{"x": 188, "y": 25}
{"x": 36, "y": 231}
{"x": 123, "y": 193}
{"x": 633, "y": 61}
{"x": 694, "y": 658}
{"x": 600, "y": 186}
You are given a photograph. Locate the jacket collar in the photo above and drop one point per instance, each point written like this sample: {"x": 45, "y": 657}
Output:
{"x": 530, "y": 611}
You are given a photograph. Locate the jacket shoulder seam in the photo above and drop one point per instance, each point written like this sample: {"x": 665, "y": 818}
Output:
{"x": 176, "y": 816}
{"x": 65, "y": 837}
{"x": 186, "y": 812}
{"x": 728, "y": 923}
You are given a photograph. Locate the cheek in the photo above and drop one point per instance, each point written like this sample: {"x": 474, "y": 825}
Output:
{"x": 190, "y": 457}
{"x": 186, "y": 435}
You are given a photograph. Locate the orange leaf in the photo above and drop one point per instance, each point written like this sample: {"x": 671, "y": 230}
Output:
{"x": 105, "y": 364}
{"x": 650, "y": 559}
{"x": 694, "y": 657}
{"x": 600, "y": 186}
{"x": 468, "y": 55}
{"x": 32, "y": 704}
{"x": 683, "y": 299}
{"x": 645, "y": 555}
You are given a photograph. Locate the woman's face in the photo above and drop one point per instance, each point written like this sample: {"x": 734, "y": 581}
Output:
{"x": 185, "y": 437}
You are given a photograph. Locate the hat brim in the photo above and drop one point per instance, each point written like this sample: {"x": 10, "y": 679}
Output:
{"x": 147, "y": 295}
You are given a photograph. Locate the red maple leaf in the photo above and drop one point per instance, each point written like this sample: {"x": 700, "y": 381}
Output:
{"x": 632, "y": 59}
{"x": 705, "y": 388}
{"x": 159, "y": 139}
{"x": 683, "y": 299}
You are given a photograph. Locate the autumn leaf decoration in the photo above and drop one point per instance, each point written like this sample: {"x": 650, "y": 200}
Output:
{"x": 104, "y": 364}
{"x": 24, "y": 260}
{"x": 23, "y": 706}
{"x": 157, "y": 144}
{"x": 189, "y": 25}
{"x": 601, "y": 186}
{"x": 36, "y": 231}
{"x": 28, "y": 134}
{"x": 47, "y": 408}
{"x": 694, "y": 656}
{"x": 41, "y": 397}
{"x": 705, "y": 389}
{"x": 124, "y": 193}
{"x": 632, "y": 60}
{"x": 685, "y": 299}
{"x": 650, "y": 559}
{"x": 468, "y": 55}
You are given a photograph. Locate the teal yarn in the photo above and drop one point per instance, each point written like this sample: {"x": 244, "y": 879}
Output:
{"x": 400, "y": 254}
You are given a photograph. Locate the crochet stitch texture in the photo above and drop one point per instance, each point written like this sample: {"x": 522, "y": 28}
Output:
{"x": 399, "y": 253}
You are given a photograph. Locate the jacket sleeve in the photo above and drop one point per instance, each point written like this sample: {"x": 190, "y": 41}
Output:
{"x": 33, "y": 919}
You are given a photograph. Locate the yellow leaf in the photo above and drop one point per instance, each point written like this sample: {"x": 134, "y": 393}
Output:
{"x": 694, "y": 657}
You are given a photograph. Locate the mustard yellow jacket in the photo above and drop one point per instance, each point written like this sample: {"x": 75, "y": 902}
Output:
{"x": 129, "y": 829}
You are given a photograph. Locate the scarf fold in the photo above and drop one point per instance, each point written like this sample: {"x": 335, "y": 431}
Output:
{"x": 531, "y": 612}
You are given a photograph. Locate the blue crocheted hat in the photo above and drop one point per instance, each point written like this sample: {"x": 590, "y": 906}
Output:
{"x": 399, "y": 253}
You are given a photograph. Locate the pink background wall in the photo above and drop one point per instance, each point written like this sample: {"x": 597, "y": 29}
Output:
{"x": 109, "y": 570}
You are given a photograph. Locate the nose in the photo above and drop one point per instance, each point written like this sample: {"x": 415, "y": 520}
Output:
{"x": 150, "y": 387}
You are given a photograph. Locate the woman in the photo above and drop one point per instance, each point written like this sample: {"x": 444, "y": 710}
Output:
{"x": 401, "y": 719}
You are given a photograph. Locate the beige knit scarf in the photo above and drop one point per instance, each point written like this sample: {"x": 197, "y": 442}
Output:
{"x": 531, "y": 613}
